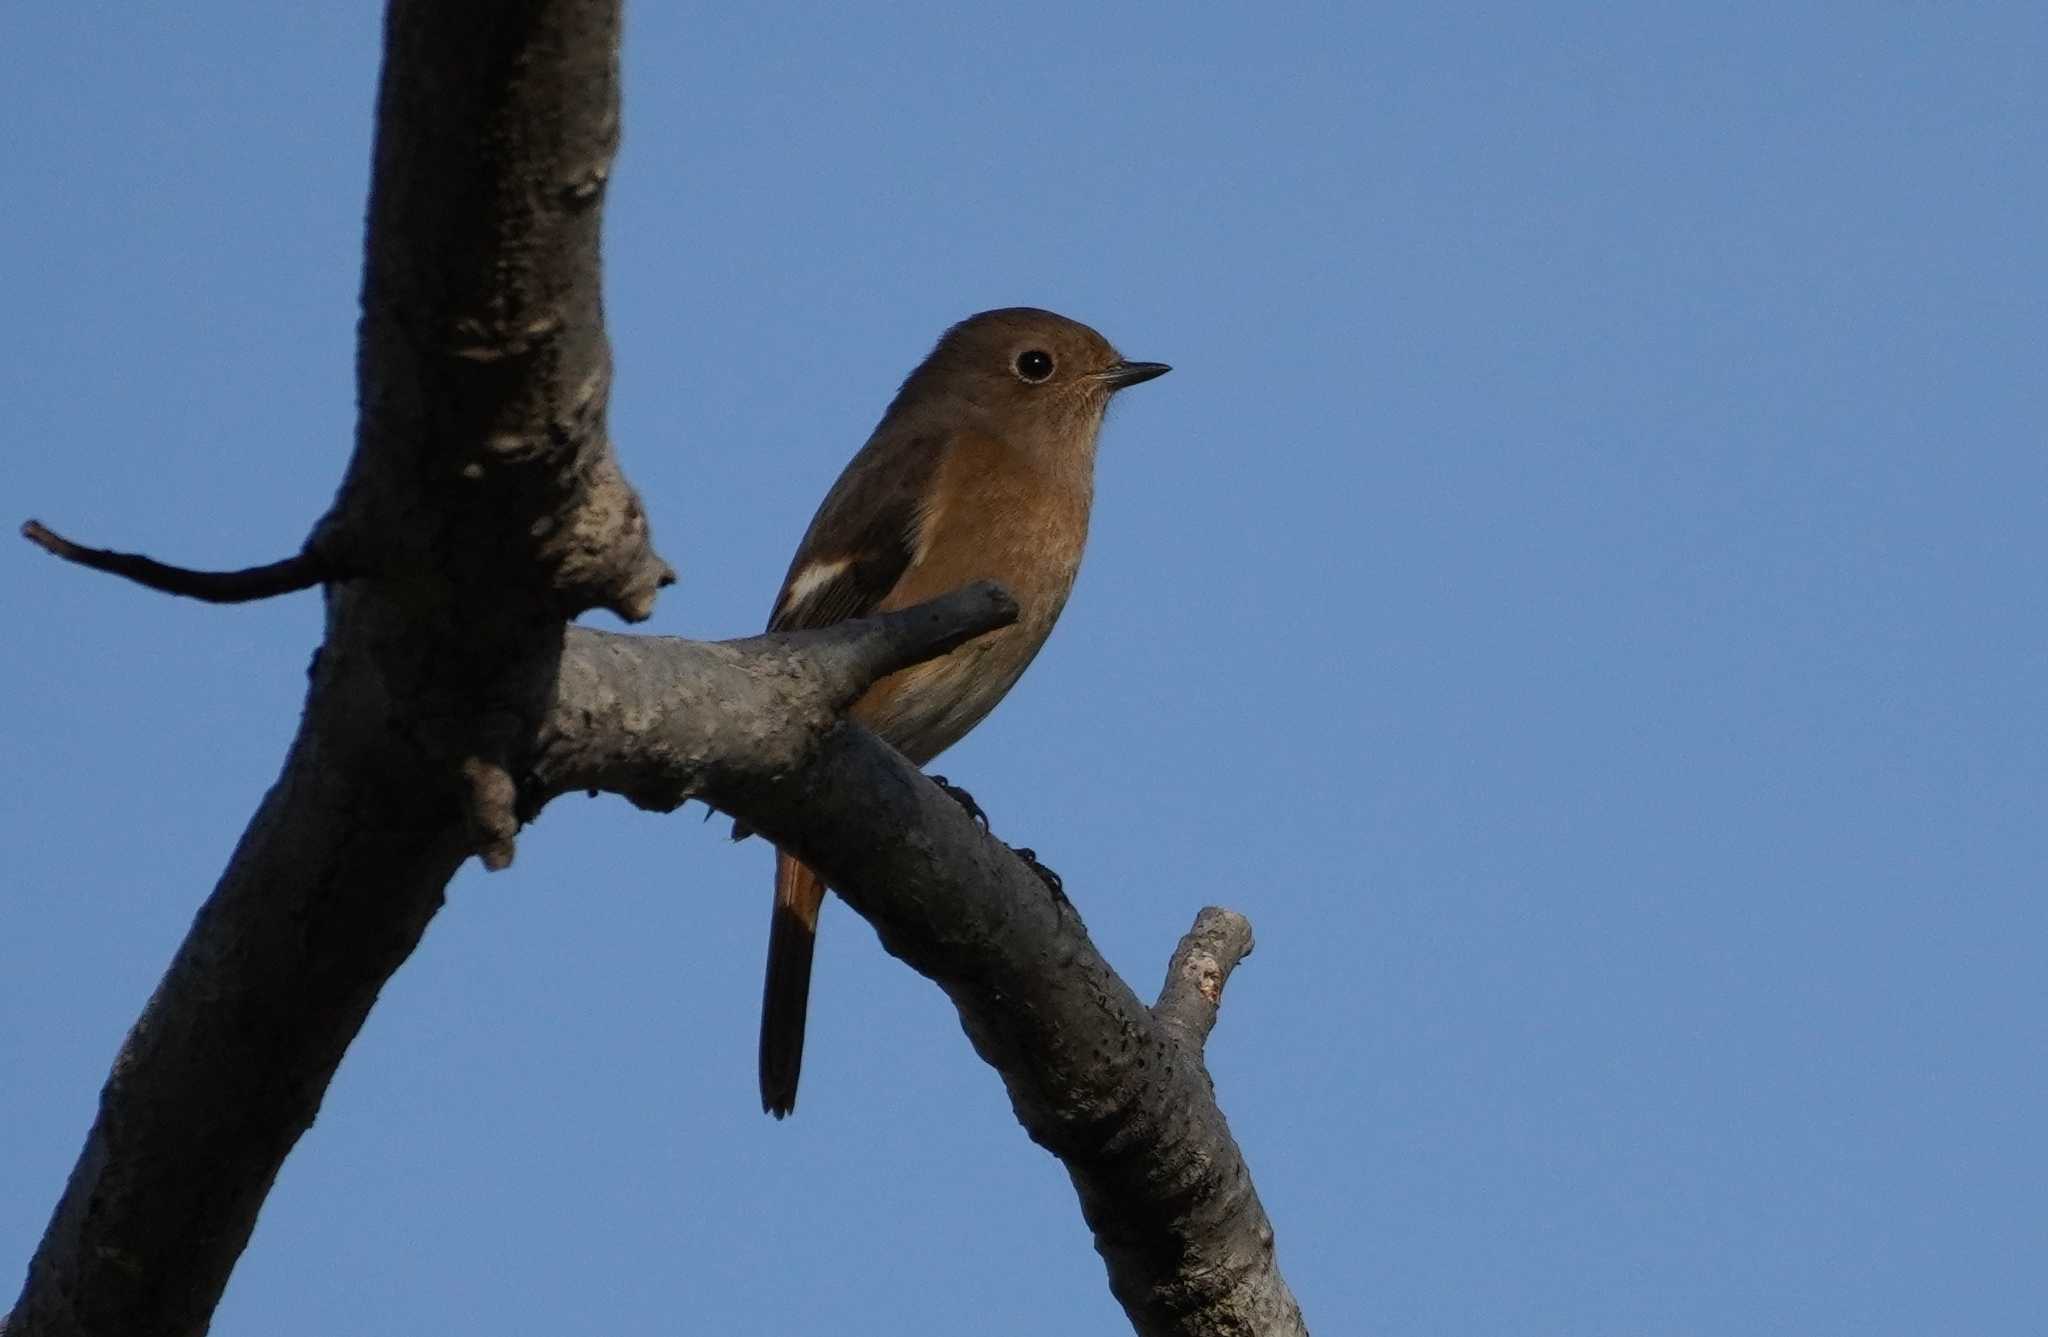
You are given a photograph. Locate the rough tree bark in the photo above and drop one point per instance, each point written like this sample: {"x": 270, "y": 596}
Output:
{"x": 450, "y": 700}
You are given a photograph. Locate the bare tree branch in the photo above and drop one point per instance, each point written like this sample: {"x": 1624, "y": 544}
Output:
{"x": 1120, "y": 1094}
{"x": 329, "y": 891}
{"x": 481, "y": 507}
{"x": 661, "y": 720}
{"x": 1201, "y": 966}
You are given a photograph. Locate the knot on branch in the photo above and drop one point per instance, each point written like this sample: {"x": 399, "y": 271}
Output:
{"x": 490, "y": 801}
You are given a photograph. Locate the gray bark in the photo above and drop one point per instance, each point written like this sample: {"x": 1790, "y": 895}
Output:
{"x": 1118, "y": 1091}
{"x": 450, "y": 700}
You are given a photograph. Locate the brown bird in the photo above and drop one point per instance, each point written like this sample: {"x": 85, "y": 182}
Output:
{"x": 983, "y": 468}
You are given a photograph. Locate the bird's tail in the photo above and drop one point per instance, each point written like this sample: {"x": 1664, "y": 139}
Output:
{"x": 785, "y": 998}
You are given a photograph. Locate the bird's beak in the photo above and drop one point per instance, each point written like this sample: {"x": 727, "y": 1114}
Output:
{"x": 1130, "y": 373}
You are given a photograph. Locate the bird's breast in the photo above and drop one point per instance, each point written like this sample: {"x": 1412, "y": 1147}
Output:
{"x": 992, "y": 517}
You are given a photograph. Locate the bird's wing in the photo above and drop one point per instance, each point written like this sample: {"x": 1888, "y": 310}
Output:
{"x": 865, "y": 535}
{"x": 863, "y": 538}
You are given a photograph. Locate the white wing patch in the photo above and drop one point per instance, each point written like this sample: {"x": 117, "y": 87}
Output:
{"x": 929, "y": 512}
{"x": 812, "y": 579}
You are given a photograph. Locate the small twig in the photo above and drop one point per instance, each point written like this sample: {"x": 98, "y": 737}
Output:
{"x": 896, "y": 640}
{"x": 1201, "y": 965}
{"x": 299, "y": 572}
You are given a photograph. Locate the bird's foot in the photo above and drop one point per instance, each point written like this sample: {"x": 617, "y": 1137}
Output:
{"x": 1051, "y": 879}
{"x": 1030, "y": 857}
{"x": 963, "y": 798}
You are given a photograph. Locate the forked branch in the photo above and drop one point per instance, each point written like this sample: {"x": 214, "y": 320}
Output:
{"x": 451, "y": 700}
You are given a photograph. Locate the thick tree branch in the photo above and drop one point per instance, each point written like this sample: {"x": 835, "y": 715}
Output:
{"x": 482, "y": 507}
{"x": 661, "y": 720}
{"x": 1120, "y": 1094}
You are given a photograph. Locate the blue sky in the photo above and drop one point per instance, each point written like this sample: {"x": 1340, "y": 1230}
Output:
{"x": 1579, "y": 593}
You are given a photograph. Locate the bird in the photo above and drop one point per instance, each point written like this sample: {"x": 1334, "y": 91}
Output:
{"x": 982, "y": 468}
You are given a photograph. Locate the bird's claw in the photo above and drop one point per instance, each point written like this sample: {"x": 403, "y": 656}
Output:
{"x": 1051, "y": 879}
{"x": 963, "y": 798}
{"x": 1030, "y": 857}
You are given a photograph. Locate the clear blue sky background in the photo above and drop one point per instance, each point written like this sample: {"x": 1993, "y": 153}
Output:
{"x": 1580, "y": 593}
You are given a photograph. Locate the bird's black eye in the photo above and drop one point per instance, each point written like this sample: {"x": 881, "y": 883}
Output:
{"x": 1034, "y": 364}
